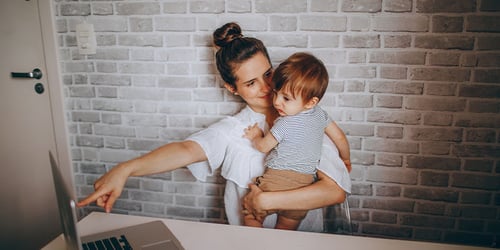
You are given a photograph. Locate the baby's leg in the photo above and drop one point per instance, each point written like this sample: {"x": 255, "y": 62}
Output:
{"x": 250, "y": 221}
{"x": 287, "y": 223}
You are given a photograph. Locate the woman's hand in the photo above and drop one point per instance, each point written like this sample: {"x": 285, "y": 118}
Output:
{"x": 324, "y": 192}
{"x": 251, "y": 203}
{"x": 348, "y": 165}
{"x": 108, "y": 188}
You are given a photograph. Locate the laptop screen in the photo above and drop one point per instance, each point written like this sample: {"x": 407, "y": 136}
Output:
{"x": 66, "y": 205}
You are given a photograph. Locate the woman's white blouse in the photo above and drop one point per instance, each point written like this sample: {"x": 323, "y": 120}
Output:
{"x": 226, "y": 148}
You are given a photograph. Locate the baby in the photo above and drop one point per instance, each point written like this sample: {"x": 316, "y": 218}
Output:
{"x": 295, "y": 140}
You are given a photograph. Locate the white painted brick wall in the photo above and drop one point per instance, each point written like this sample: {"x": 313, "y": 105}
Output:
{"x": 414, "y": 84}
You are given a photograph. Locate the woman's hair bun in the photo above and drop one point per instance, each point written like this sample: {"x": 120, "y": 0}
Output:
{"x": 226, "y": 34}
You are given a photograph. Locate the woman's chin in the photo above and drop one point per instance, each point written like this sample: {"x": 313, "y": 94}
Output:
{"x": 266, "y": 103}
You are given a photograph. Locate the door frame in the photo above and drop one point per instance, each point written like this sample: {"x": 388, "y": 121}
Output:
{"x": 55, "y": 89}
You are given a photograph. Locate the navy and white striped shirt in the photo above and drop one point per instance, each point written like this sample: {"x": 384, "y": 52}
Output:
{"x": 300, "y": 140}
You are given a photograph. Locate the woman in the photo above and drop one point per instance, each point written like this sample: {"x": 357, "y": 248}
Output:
{"x": 245, "y": 67}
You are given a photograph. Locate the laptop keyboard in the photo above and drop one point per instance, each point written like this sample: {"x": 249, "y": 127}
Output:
{"x": 113, "y": 243}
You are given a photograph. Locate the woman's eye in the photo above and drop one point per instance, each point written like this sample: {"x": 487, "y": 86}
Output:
{"x": 250, "y": 83}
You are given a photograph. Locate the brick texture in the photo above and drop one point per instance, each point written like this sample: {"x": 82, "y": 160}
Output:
{"x": 414, "y": 84}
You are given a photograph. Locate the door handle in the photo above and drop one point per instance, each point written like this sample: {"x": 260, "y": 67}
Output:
{"x": 36, "y": 73}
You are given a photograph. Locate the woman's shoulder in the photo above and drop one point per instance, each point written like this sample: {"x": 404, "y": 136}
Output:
{"x": 244, "y": 118}
{"x": 247, "y": 115}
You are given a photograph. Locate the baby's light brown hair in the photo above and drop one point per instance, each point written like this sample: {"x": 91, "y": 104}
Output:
{"x": 302, "y": 74}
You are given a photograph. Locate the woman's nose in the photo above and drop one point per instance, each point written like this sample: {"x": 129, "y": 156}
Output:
{"x": 265, "y": 86}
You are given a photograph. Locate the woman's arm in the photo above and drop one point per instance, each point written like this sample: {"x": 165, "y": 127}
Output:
{"x": 338, "y": 137}
{"x": 165, "y": 158}
{"x": 323, "y": 192}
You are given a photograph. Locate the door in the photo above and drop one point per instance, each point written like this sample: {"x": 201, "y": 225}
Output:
{"x": 28, "y": 211}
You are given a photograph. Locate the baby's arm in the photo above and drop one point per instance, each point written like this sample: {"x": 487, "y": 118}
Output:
{"x": 261, "y": 142}
{"x": 338, "y": 137}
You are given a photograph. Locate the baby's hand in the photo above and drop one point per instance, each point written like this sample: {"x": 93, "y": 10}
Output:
{"x": 253, "y": 132}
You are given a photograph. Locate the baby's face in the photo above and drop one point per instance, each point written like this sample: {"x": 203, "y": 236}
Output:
{"x": 286, "y": 104}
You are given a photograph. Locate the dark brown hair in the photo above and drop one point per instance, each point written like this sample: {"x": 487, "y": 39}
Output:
{"x": 234, "y": 49}
{"x": 302, "y": 74}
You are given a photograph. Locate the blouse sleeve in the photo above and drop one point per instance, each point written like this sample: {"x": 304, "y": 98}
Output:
{"x": 331, "y": 165}
{"x": 214, "y": 142}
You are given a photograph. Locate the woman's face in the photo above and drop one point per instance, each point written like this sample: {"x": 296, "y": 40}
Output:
{"x": 253, "y": 84}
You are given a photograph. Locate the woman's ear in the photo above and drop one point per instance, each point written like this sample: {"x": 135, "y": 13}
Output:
{"x": 230, "y": 88}
{"x": 311, "y": 103}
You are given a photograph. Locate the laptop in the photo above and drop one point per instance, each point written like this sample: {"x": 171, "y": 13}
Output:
{"x": 148, "y": 236}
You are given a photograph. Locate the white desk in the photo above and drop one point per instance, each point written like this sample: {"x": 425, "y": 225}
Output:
{"x": 198, "y": 235}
